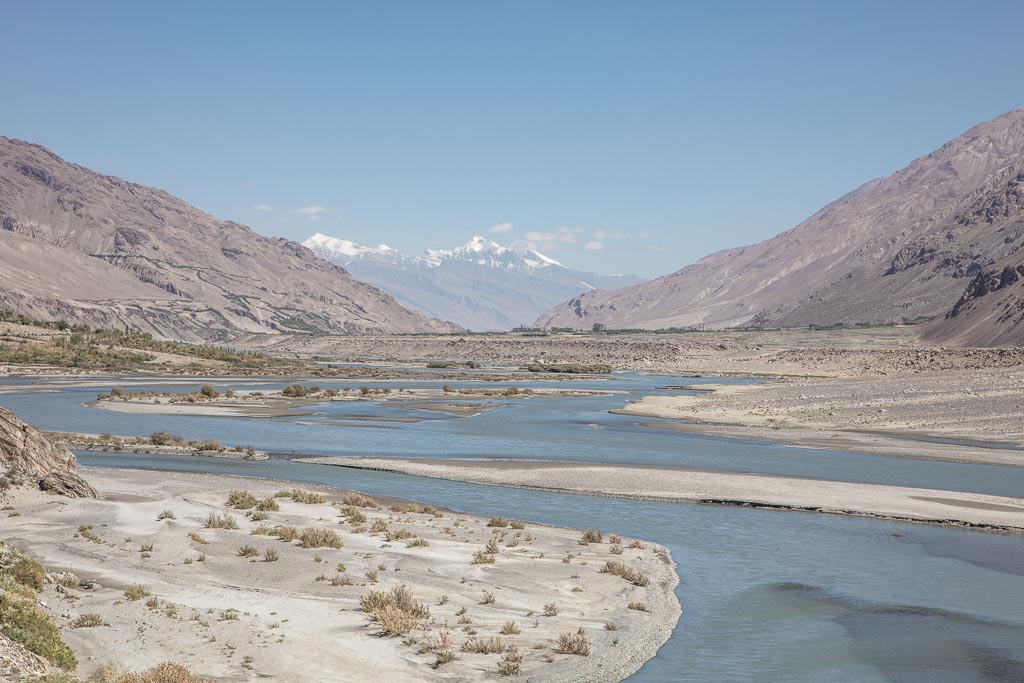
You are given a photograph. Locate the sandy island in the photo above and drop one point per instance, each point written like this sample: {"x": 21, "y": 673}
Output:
{"x": 924, "y": 417}
{"x": 699, "y": 486}
{"x": 230, "y": 617}
{"x": 245, "y": 403}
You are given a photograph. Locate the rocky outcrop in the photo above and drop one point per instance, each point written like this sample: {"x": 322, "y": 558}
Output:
{"x": 897, "y": 248}
{"x": 990, "y": 312}
{"x": 25, "y": 454}
{"x": 97, "y": 250}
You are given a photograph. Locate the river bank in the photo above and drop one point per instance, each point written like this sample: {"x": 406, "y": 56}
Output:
{"x": 161, "y": 579}
{"x": 952, "y": 508}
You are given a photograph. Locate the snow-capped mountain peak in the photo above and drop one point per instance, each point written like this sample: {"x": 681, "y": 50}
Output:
{"x": 481, "y": 285}
{"x": 327, "y": 247}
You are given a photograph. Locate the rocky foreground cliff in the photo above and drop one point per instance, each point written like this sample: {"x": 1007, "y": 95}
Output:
{"x": 27, "y": 456}
{"x": 95, "y": 249}
{"x": 899, "y": 248}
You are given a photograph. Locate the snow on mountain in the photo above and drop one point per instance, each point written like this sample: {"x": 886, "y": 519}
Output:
{"x": 481, "y": 285}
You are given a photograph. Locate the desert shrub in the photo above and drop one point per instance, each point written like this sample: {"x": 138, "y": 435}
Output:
{"x": 510, "y": 661}
{"x": 590, "y": 536}
{"x": 359, "y": 500}
{"x": 484, "y": 646}
{"x": 241, "y": 500}
{"x": 492, "y": 547}
{"x": 267, "y": 505}
{"x": 166, "y": 514}
{"x": 247, "y": 551}
{"x": 258, "y": 516}
{"x": 499, "y": 522}
{"x": 264, "y": 530}
{"x": 30, "y": 573}
{"x": 24, "y": 621}
{"x": 167, "y": 672}
{"x": 210, "y": 445}
{"x": 286, "y": 533}
{"x": 209, "y": 392}
{"x": 221, "y": 521}
{"x": 270, "y": 555}
{"x": 488, "y": 598}
{"x": 136, "y": 592}
{"x": 417, "y": 543}
{"x": 574, "y": 643}
{"x": 443, "y": 657}
{"x": 638, "y": 606}
{"x": 312, "y": 537}
{"x": 379, "y": 526}
{"x": 166, "y": 439}
{"x": 510, "y": 629}
{"x": 399, "y": 535}
{"x": 517, "y": 524}
{"x": 341, "y": 580}
{"x": 550, "y": 610}
{"x": 637, "y": 578}
{"x": 197, "y": 538}
{"x": 301, "y": 496}
{"x": 395, "y": 611}
{"x": 229, "y": 615}
{"x": 482, "y": 557}
{"x": 88, "y": 621}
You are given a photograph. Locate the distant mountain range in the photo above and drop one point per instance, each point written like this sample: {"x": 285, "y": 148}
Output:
{"x": 95, "y": 249}
{"x": 940, "y": 238}
{"x": 481, "y": 285}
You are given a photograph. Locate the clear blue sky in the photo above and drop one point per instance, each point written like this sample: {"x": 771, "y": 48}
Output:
{"x": 684, "y": 127}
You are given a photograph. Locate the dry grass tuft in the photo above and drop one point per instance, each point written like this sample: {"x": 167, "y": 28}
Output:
{"x": 510, "y": 629}
{"x": 510, "y": 661}
{"x": 88, "y": 621}
{"x": 574, "y": 643}
{"x": 395, "y": 611}
{"x": 301, "y": 496}
{"x": 241, "y": 500}
{"x": 359, "y": 500}
{"x": 312, "y": 537}
{"x": 136, "y": 592}
{"x": 482, "y": 557}
{"x": 167, "y": 672}
{"x": 591, "y": 536}
{"x": 248, "y": 551}
{"x": 637, "y": 578}
{"x": 197, "y": 538}
{"x": 218, "y": 521}
{"x": 499, "y": 522}
{"x": 484, "y": 646}
{"x": 638, "y": 606}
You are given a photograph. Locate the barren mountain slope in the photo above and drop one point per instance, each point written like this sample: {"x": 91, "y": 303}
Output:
{"x": 189, "y": 275}
{"x": 899, "y": 247}
{"x": 990, "y": 312}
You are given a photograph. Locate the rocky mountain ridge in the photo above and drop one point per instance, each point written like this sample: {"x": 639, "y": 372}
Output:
{"x": 96, "y": 249}
{"x": 904, "y": 247}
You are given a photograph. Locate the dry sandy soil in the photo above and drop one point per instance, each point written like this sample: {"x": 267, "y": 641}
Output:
{"x": 980, "y": 413}
{"x": 235, "y": 618}
{"x": 699, "y": 486}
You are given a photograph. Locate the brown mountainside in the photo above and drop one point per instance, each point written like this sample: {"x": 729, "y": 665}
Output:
{"x": 86, "y": 247}
{"x": 896, "y": 248}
